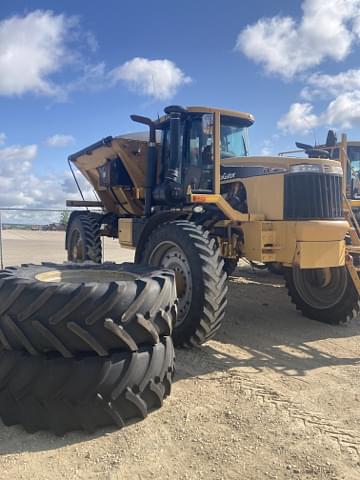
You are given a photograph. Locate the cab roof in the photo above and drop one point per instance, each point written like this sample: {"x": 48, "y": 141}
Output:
{"x": 248, "y": 118}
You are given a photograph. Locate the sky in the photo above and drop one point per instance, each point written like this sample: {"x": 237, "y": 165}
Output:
{"x": 72, "y": 72}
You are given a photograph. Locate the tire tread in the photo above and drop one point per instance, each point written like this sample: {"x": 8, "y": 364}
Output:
{"x": 87, "y": 392}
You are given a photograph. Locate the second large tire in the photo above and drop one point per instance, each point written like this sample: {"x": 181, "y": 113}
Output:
{"x": 84, "y": 393}
{"x": 187, "y": 249}
{"x": 326, "y": 295}
{"x": 73, "y": 308}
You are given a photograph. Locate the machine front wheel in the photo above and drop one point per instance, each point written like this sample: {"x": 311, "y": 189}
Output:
{"x": 324, "y": 294}
{"x": 187, "y": 249}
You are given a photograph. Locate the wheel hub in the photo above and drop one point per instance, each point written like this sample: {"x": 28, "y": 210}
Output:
{"x": 321, "y": 288}
{"x": 168, "y": 255}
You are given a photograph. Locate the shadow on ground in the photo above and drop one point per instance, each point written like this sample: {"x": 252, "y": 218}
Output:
{"x": 270, "y": 333}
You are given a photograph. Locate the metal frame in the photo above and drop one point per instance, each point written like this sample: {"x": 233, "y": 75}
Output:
{"x": 216, "y": 188}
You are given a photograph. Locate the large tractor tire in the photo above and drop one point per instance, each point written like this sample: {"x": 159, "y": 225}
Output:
{"x": 187, "y": 249}
{"x": 85, "y": 307}
{"x": 83, "y": 240}
{"x": 324, "y": 294}
{"x": 84, "y": 393}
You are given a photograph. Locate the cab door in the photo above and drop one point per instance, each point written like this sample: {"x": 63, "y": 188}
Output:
{"x": 198, "y": 148}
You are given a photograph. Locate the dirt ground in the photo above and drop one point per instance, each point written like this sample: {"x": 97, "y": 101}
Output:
{"x": 274, "y": 396}
{"x": 23, "y": 246}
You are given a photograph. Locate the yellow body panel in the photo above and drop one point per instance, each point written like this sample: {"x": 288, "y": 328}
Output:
{"x": 265, "y": 193}
{"x": 320, "y": 254}
{"x": 355, "y": 203}
{"x": 310, "y": 244}
{"x": 276, "y": 161}
{"x": 225, "y": 207}
{"x": 258, "y": 236}
{"x": 258, "y": 201}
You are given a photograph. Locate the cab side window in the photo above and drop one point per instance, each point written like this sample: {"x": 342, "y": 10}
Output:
{"x": 201, "y": 141}
{"x": 199, "y": 162}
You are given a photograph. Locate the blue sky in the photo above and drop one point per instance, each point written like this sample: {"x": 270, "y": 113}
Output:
{"x": 72, "y": 72}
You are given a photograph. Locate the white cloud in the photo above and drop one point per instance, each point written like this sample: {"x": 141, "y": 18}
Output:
{"x": 327, "y": 30}
{"x": 344, "y": 110}
{"x": 299, "y": 118}
{"x": 60, "y": 140}
{"x": 32, "y": 48}
{"x": 16, "y": 153}
{"x": 36, "y": 46}
{"x": 265, "y": 151}
{"x": 21, "y": 187}
{"x": 92, "y": 41}
{"x": 342, "y": 92}
{"x": 324, "y": 85}
{"x": 159, "y": 79}
{"x": 2, "y": 138}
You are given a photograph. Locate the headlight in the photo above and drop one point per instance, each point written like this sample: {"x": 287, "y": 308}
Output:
{"x": 309, "y": 168}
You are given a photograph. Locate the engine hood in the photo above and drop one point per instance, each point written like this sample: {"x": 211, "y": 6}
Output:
{"x": 243, "y": 167}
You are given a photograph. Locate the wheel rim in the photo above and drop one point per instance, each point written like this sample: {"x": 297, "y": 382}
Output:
{"x": 171, "y": 256}
{"x": 80, "y": 275}
{"x": 321, "y": 288}
{"x": 76, "y": 249}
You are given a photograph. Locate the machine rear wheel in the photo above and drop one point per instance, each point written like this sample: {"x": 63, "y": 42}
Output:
{"x": 324, "y": 294}
{"x": 187, "y": 249}
{"x": 83, "y": 238}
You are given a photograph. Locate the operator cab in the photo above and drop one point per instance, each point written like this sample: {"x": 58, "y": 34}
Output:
{"x": 194, "y": 140}
{"x": 199, "y": 152}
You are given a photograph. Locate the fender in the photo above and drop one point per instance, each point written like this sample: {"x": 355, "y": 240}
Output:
{"x": 152, "y": 224}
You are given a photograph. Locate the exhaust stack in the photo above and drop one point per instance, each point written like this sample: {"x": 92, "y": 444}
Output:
{"x": 150, "y": 174}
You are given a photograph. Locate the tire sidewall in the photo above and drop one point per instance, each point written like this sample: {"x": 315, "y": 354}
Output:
{"x": 77, "y": 224}
{"x": 175, "y": 234}
{"x": 340, "y": 313}
{"x": 26, "y": 300}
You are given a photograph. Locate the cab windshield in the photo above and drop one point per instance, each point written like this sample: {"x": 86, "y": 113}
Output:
{"x": 353, "y": 174}
{"x": 354, "y": 157}
{"x": 233, "y": 137}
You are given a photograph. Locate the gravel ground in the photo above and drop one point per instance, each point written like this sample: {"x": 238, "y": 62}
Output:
{"x": 274, "y": 396}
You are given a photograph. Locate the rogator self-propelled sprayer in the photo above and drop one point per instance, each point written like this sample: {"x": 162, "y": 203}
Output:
{"x": 188, "y": 197}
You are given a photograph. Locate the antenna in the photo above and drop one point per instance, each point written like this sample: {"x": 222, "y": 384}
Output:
{"x": 314, "y": 134}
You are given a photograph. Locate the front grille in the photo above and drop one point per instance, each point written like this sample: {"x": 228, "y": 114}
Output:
{"x": 312, "y": 196}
